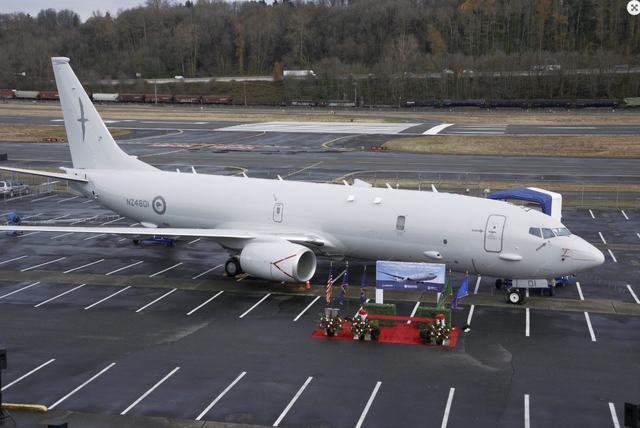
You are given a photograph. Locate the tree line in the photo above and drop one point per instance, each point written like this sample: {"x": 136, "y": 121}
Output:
{"x": 380, "y": 45}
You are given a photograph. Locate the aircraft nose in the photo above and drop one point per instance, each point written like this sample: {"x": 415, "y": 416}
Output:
{"x": 586, "y": 256}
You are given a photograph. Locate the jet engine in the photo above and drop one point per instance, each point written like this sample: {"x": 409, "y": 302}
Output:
{"x": 280, "y": 261}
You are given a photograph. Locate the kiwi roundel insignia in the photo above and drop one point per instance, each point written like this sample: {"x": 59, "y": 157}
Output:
{"x": 159, "y": 205}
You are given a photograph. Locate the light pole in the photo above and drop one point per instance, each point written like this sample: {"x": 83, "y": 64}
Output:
{"x": 244, "y": 90}
{"x": 355, "y": 94}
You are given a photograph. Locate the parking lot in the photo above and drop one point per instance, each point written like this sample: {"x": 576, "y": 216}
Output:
{"x": 95, "y": 324}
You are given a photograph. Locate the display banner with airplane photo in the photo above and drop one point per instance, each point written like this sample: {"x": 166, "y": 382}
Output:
{"x": 410, "y": 276}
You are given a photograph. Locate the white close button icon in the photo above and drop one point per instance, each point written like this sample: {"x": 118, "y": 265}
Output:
{"x": 633, "y": 7}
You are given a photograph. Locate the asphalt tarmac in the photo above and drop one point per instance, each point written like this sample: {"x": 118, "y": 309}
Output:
{"x": 105, "y": 333}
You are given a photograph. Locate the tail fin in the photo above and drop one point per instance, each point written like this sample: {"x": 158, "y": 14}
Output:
{"x": 91, "y": 144}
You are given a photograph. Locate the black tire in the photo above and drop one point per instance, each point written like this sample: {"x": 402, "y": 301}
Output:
{"x": 11, "y": 193}
{"x": 232, "y": 267}
{"x": 499, "y": 283}
{"x": 552, "y": 291}
{"x": 136, "y": 241}
{"x": 171, "y": 243}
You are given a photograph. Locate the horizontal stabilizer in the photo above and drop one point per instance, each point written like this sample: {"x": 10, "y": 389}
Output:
{"x": 58, "y": 175}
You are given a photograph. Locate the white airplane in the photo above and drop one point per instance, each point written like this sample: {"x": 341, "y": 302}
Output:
{"x": 419, "y": 278}
{"x": 274, "y": 229}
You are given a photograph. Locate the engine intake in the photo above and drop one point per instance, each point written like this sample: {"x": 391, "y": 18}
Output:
{"x": 279, "y": 261}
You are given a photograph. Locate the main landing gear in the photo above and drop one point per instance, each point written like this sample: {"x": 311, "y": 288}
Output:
{"x": 232, "y": 267}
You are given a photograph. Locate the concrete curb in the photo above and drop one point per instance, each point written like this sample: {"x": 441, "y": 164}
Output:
{"x": 35, "y": 408}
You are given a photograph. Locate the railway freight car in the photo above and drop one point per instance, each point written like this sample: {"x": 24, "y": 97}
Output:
{"x": 584, "y": 103}
{"x": 27, "y": 95}
{"x": 131, "y": 98}
{"x": 549, "y": 103}
{"x": 49, "y": 95}
{"x": 187, "y": 99}
{"x": 507, "y": 104}
{"x": 100, "y": 97}
{"x": 216, "y": 99}
{"x": 7, "y": 94}
{"x": 463, "y": 102}
{"x": 159, "y": 98}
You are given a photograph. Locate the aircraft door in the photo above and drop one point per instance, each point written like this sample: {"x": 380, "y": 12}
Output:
{"x": 493, "y": 233}
{"x": 278, "y": 211}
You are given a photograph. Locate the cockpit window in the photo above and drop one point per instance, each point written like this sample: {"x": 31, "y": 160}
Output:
{"x": 561, "y": 231}
{"x": 535, "y": 231}
{"x": 547, "y": 233}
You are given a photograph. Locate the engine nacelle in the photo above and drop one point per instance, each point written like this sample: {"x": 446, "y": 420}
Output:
{"x": 280, "y": 261}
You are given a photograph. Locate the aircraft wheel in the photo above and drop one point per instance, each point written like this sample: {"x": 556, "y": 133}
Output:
{"x": 136, "y": 241}
{"x": 171, "y": 243}
{"x": 515, "y": 297}
{"x": 499, "y": 283}
{"x": 552, "y": 291}
{"x": 232, "y": 267}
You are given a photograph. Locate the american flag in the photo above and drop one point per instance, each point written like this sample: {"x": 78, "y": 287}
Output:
{"x": 329, "y": 285}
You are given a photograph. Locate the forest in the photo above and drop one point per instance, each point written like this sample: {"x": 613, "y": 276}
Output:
{"x": 380, "y": 51}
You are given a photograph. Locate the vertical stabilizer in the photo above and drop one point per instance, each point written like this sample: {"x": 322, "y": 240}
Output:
{"x": 91, "y": 144}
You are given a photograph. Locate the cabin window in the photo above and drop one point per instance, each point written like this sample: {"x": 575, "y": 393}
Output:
{"x": 561, "y": 231}
{"x": 535, "y": 231}
{"x": 547, "y": 233}
{"x": 400, "y": 223}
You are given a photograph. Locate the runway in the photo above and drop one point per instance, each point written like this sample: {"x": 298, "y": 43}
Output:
{"x": 108, "y": 333}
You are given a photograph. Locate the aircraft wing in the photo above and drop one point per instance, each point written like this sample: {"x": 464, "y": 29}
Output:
{"x": 171, "y": 232}
{"x": 58, "y": 175}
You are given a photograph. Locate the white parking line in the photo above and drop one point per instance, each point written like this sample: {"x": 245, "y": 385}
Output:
{"x": 42, "y": 264}
{"x": 527, "y": 419}
{"x": 369, "y": 403}
{"x": 94, "y": 236}
{"x": 28, "y": 374}
{"x": 193, "y": 310}
{"x": 31, "y": 216}
{"x": 11, "y": 260}
{"x": 126, "y": 267}
{"x": 42, "y": 199}
{"x": 624, "y": 214}
{"x": 124, "y": 412}
{"x": 470, "y": 314}
{"x": 23, "y": 288}
{"x": 108, "y": 297}
{"x": 219, "y": 397}
{"x": 612, "y": 256}
{"x": 68, "y": 199}
{"x": 292, "y": 402}
{"x": 306, "y": 309}
{"x": 158, "y": 299}
{"x": 111, "y": 221}
{"x": 633, "y": 294}
{"x": 528, "y": 327}
{"x": 254, "y": 306}
{"x": 593, "y": 336}
{"x": 591, "y": 212}
{"x": 477, "y": 285}
{"x": 81, "y": 386}
{"x": 84, "y": 266}
{"x": 86, "y": 202}
{"x": 194, "y": 241}
{"x": 579, "y": 290}
{"x": 415, "y": 308}
{"x": 64, "y": 234}
{"x": 206, "y": 272}
{"x": 614, "y": 415}
{"x": 28, "y": 234}
{"x": 447, "y": 409}
{"x": 59, "y": 217}
{"x": 602, "y": 237}
{"x": 167, "y": 269}
{"x": 59, "y": 295}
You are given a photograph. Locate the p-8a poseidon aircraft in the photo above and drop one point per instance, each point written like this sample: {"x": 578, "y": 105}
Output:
{"x": 274, "y": 229}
